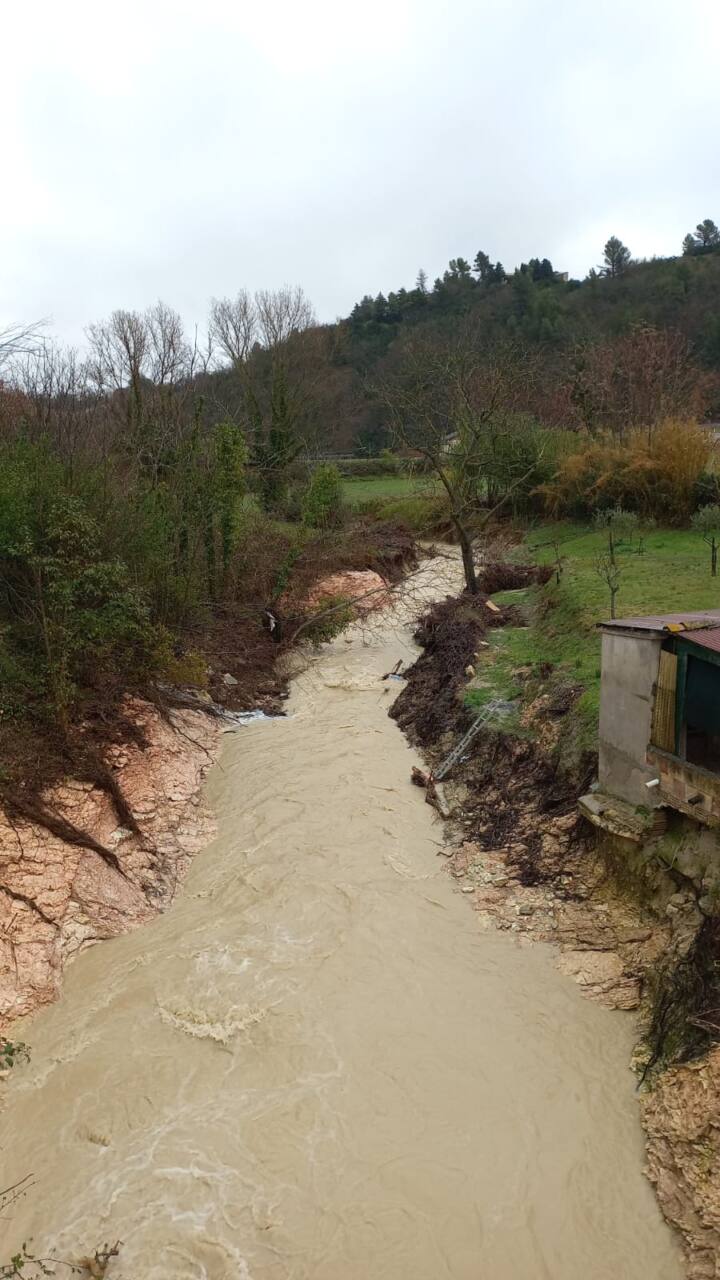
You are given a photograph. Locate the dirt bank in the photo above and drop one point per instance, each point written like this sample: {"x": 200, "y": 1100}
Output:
{"x": 681, "y": 1117}
{"x": 529, "y": 865}
{"x": 57, "y": 898}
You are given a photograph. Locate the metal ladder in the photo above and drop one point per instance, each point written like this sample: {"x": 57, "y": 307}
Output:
{"x": 490, "y": 709}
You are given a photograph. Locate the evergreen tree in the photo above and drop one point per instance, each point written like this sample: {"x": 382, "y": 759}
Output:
{"x": 458, "y": 269}
{"x": 707, "y": 234}
{"x": 482, "y": 266}
{"x": 542, "y": 270}
{"x": 616, "y": 258}
{"x": 380, "y": 308}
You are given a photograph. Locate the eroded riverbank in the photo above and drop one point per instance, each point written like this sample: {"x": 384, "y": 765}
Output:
{"x": 315, "y": 1065}
{"x": 59, "y": 898}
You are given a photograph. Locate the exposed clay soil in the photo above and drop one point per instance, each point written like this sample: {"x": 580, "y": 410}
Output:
{"x": 90, "y": 857}
{"x": 527, "y": 863}
{"x": 56, "y": 897}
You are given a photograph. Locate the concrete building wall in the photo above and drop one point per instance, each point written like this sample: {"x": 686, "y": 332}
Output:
{"x": 629, "y": 673}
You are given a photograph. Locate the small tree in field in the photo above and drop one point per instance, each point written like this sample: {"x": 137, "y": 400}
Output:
{"x": 619, "y": 526}
{"x": 322, "y": 502}
{"x": 608, "y": 570}
{"x": 706, "y": 522}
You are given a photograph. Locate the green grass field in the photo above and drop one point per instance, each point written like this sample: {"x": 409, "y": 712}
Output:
{"x": 370, "y": 487}
{"x": 671, "y": 574}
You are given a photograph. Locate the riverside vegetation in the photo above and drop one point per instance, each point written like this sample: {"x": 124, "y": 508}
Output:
{"x": 163, "y": 499}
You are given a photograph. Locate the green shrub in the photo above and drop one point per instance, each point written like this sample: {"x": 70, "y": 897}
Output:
{"x": 516, "y": 456}
{"x": 291, "y": 506}
{"x": 654, "y": 475}
{"x": 323, "y": 500}
{"x": 329, "y": 617}
{"x": 71, "y": 617}
{"x": 265, "y": 554}
{"x": 706, "y": 490}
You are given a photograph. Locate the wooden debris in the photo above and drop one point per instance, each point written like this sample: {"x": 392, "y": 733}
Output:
{"x": 435, "y": 795}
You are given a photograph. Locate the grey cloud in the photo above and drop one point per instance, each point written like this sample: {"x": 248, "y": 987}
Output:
{"x": 179, "y": 152}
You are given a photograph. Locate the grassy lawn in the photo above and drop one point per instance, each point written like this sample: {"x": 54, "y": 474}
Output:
{"x": 671, "y": 574}
{"x": 364, "y": 490}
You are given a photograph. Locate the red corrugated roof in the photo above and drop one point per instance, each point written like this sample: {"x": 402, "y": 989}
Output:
{"x": 708, "y": 638}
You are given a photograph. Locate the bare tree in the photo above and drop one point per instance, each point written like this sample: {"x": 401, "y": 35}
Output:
{"x": 706, "y": 522}
{"x": 119, "y": 350}
{"x": 146, "y": 370}
{"x": 234, "y": 326}
{"x": 639, "y": 379}
{"x": 609, "y": 571}
{"x": 270, "y": 318}
{"x": 273, "y": 344}
{"x": 20, "y": 340}
{"x": 455, "y": 404}
{"x": 282, "y": 313}
{"x": 59, "y": 402}
{"x": 168, "y": 352}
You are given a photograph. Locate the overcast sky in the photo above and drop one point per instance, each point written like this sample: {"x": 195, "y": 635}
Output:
{"x": 180, "y": 150}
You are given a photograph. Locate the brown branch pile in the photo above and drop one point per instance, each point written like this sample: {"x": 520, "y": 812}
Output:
{"x": 430, "y": 705}
{"x": 501, "y": 576}
{"x": 449, "y": 634}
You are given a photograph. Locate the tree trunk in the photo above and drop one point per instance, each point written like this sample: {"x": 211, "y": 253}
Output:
{"x": 714, "y": 550}
{"x": 471, "y": 582}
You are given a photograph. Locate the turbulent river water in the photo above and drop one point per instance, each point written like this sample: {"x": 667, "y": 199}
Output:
{"x": 316, "y": 1065}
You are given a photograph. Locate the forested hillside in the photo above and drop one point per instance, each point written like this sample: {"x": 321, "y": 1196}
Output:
{"x": 537, "y": 306}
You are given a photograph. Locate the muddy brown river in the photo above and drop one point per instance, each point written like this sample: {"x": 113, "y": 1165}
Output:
{"x": 316, "y": 1065}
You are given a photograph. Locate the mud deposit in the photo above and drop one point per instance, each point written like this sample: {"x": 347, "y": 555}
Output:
{"x": 316, "y": 1065}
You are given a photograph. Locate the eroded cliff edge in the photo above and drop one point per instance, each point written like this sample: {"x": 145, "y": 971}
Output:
{"x": 58, "y": 897}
